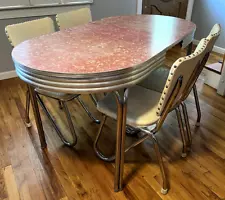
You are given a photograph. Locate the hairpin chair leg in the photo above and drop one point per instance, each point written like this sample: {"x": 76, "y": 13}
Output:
{"x": 58, "y": 131}
{"x": 197, "y": 105}
{"x": 181, "y": 126}
{"x": 187, "y": 124}
{"x": 37, "y": 117}
{"x": 87, "y": 111}
{"x": 27, "y": 115}
{"x": 164, "y": 189}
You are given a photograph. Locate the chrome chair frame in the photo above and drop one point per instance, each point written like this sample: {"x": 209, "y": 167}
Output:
{"x": 173, "y": 102}
{"x": 120, "y": 141}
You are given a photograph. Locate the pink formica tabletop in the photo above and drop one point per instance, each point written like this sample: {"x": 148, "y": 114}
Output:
{"x": 107, "y": 45}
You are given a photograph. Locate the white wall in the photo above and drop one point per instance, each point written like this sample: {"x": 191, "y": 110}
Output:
{"x": 106, "y": 8}
{"x": 205, "y": 14}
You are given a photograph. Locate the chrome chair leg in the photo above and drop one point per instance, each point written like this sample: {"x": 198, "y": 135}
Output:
{"x": 27, "y": 115}
{"x": 87, "y": 111}
{"x": 187, "y": 124}
{"x": 182, "y": 132}
{"x": 164, "y": 189}
{"x": 58, "y": 131}
{"x": 112, "y": 158}
{"x": 197, "y": 105}
{"x": 93, "y": 99}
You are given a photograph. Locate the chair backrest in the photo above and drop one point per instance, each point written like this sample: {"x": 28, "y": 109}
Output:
{"x": 73, "y": 18}
{"x": 18, "y": 33}
{"x": 184, "y": 68}
{"x": 188, "y": 69}
{"x": 213, "y": 36}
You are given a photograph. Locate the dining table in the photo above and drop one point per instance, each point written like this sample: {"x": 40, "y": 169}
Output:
{"x": 108, "y": 55}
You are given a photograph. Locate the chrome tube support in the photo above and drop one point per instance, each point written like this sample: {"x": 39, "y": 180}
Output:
{"x": 58, "y": 131}
{"x": 27, "y": 114}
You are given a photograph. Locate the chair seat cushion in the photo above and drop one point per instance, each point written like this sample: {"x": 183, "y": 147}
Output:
{"x": 141, "y": 110}
{"x": 56, "y": 95}
{"x": 156, "y": 79}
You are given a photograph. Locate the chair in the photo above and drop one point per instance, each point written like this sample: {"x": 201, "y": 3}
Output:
{"x": 147, "y": 109}
{"x": 159, "y": 76}
{"x": 73, "y": 18}
{"x": 18, "y": 33}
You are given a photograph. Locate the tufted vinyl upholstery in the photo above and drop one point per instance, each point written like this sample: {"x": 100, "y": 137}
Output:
{"x": 18, "y": 33}
{"x": 141, "y": 111}
{"x": 73, "y": 18}
{"x": 183, "y": 67}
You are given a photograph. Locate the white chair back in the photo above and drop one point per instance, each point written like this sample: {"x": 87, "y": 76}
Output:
{"x": 188, "y": 69}
{"x": 73, "y": 18}
{"x": 18, "y": 33}
{"x": 183, "y": 68}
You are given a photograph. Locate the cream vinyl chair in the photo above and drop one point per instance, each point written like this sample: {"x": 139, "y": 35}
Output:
{"x": 18, "y": 33}
{"x": 73, "y": 18}
{"x": 157, "y": 79}
{"x": 147, "y": 109}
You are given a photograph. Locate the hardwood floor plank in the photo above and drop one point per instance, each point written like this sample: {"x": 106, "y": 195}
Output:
{"x": 13, "y": 193}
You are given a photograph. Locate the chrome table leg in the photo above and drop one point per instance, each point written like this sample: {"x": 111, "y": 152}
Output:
{"x": 37, "y": 117}
{"x": 120, "y": 139}
{"x": 27, "y": 115}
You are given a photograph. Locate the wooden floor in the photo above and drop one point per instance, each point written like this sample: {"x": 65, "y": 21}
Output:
{"x": 27, "y": 172}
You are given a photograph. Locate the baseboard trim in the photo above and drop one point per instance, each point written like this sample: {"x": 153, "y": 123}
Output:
{"x": 216, "y": 49}
{"x": 7, "y": 75}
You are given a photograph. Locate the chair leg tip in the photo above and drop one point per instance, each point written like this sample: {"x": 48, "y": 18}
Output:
{"x": 164, "y": 191}
{"x": 184, "y": 155}
{"x": 97, "y": 121}
{"x": 197, "y": 124}
{"x": 28, "y": 125}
